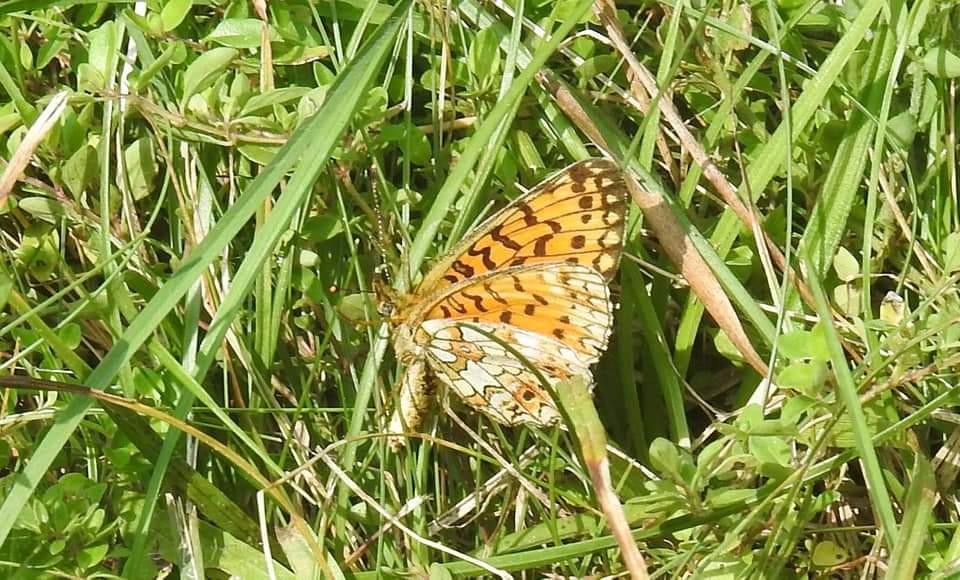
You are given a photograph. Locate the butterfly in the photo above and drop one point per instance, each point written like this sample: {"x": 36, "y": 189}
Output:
{"x": 533, "y": 276}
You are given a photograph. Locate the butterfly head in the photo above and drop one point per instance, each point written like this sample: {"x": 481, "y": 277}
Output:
{"x": 386, "y": 295}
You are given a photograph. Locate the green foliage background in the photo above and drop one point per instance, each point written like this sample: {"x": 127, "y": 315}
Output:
{"x": 199, "y": 230}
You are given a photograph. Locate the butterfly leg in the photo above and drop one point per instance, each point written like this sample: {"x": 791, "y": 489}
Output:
{"x": 417, "y": 393}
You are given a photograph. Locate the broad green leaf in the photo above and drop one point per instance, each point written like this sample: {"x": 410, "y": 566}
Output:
{"x": 173, "y": 13}
{"x": 951, "y": 262}
{"x": 828, "y": 553}
{"x": 942, "y": 63}
{"x": 80, "y": 170}
{"x": 42, "y": 208}
{"x": 484, "y": 57}
{"x": 240, "y": 33}
{"x": 795, "y": 344}
{"x": 102, "y": 45}
{"x": 805, "y": 376}
{"x": 207, "y": 69}
{"x": 273, "y": 97}
{"x": 298, "y": 553}
{"x": 141, "y": 166}
{"x": 846, "y": 265}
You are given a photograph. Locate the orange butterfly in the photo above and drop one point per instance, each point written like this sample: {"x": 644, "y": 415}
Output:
{"x": 535, "y": 277}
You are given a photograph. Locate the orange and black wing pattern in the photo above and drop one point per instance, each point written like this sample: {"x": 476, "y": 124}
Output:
{"x": 577, "y": 217}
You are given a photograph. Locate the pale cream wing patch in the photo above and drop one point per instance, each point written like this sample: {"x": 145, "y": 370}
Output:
{"x": 491, "y": 379}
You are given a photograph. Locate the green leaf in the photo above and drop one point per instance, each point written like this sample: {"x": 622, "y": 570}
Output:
{"x": 89, "y": 78}
{"x": 207, "y": 69}
{"x": 80, "y": 170}
{"x": 819, "y": 348}
{"x": 6, "y": 285}
{"x": 272, "y": 98}
{"x": 26, "y": 56}
{"x": 846, "y": 265}
{"x": 941, "y": 63}
{"x": 951, "y": 262}
{"x": 827, "y": 554}
{"x": 173, "y": 13}
{"x": 903, "y": 129}
{"x": 56, "y": 42}
{"x": 42, "y": 208}
{"x": 102, "y": 46}
{"x": 240, "y": 33}
{"x": 438, "y": 572}
{"x": 320, "y": 228}
{"x": 141, "y": 165}
{"x": 484, "y": 58}
{"x": 918, "y": 511}
{"x": 175, "y": 53}
{"x": 805, "y": 376}
{"x": 671, "y": 461}
{"x": 847, "y": 298}
{"x": 92, "y": 555}
{"x": 260, "y": 154}
{"x": 596, "y": 65}
{"x": 795, "y": 344}
{"x": 71, "y": 334}
{"x": 773, "y": 450}
{"x": 414, "y": 144}
{"x": 740, "y": 18}
{"x": 56, "y": 546}
{"x": 39, "y": 253}
{"x": 357, "y": 306}
{"x": 297, "y": 552}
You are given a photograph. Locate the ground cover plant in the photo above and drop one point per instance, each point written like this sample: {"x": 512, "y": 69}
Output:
{"x": 204, "y": 205}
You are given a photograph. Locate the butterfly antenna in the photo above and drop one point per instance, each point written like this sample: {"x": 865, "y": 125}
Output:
{"x": 383, "y": 290}
{"x": 381, "y": 240}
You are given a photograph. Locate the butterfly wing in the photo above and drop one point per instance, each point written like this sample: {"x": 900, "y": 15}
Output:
{"x": 533, "y": 276}
{"x": 576, "y": 216}
{"x": 557, "y": 317}
{"x": 569, "y": 303}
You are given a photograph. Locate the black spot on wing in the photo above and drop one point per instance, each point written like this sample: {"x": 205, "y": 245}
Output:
{"x": 540, "y": 247}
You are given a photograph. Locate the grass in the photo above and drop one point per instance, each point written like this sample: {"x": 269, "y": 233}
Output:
{"x": 189, "y": 255}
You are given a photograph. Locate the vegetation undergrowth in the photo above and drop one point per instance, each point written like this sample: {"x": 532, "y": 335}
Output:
{"x": 199, "y": 201}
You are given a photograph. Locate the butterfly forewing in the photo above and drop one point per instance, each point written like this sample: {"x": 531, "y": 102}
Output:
{"x": 577, "y": 216}
{"x": 569, "y": 303}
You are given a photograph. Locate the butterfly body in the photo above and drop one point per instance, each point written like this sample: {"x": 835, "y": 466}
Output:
{"x": 530, "y": 281}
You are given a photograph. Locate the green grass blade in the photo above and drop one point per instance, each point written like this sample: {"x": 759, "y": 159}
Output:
{"x": 918, "y": 511}
{"x": 847, "y": 392}
{"x": 314, "y": 140}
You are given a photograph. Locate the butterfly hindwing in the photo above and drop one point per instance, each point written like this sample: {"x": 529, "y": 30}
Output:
{"x": 467, "y": 358}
